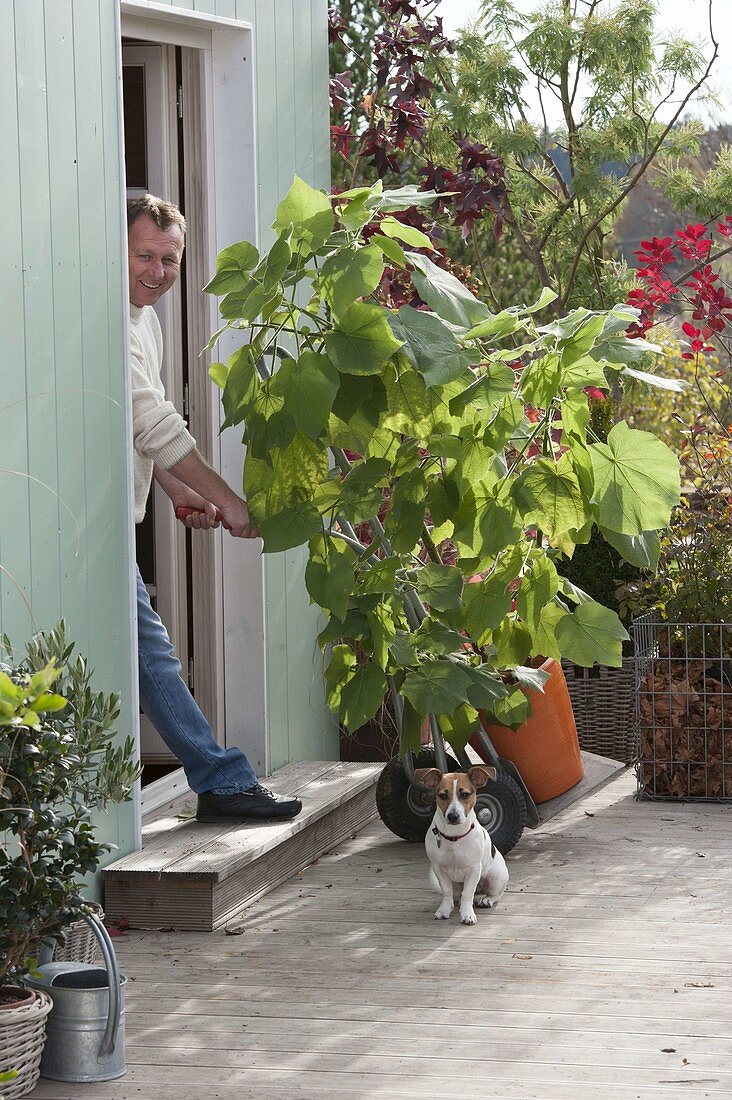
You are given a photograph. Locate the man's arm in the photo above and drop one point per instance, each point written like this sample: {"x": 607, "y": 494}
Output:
{"x": 195, "y": 472}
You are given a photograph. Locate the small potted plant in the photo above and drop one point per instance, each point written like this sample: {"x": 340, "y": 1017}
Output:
{"x": 57, "y": 761}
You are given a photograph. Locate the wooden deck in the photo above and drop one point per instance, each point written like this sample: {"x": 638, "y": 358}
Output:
{"x": 606, "y": 972}
{"x": 197, "y": 877}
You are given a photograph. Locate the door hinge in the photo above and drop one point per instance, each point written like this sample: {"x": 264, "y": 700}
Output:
{"x": 186, "y": 400}
{"x": 180, "y": 101}
{"x": 190, "y": 675}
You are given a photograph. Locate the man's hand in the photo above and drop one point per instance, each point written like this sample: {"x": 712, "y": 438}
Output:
{"x": 201, "y": 513}
{"x": 193, "y": 471}
{"x": 236, "y": 518}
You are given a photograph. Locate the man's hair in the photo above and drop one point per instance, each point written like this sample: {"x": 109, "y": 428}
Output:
{"x": 164, "y": 214}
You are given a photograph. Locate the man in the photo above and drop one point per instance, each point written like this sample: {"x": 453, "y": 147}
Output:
{"x": 226, "y": 785}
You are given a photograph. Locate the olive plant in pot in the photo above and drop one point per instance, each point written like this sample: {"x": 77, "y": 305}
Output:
{"x": 57, "y": 762}
{"x": 456, "y": 437}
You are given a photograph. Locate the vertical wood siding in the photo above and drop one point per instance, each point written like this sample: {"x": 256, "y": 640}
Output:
{"x": 64, "y": 546}
{"x": 64, "y": 530}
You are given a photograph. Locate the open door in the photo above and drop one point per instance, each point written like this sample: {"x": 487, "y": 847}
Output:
{"x": 153, "y": 163}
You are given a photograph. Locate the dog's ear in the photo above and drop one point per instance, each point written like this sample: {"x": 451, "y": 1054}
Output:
{"x": 480, "y": 774}
{"x": 429, "y": 776}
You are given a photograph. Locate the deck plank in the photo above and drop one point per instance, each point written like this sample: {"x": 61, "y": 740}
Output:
{"x": 606, "y": 972}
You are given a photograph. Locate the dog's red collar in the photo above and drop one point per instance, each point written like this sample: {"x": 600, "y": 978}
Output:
{"x": 444, "y": 836}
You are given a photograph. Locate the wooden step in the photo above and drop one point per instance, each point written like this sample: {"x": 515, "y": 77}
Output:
{"x": 196, "y": 877}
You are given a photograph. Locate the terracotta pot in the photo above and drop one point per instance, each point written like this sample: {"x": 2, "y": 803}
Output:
{"x": 546, "y": 748}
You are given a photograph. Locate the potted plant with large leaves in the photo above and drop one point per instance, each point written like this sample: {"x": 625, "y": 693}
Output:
{"x": 57, "y": 761}
{"x": 457, "y": 437}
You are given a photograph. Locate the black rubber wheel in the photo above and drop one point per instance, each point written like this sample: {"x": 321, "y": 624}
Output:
{"x": 405, "y": 809}
{"x": 501, "y": 809}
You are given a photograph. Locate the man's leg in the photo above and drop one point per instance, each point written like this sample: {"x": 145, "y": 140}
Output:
{"x": 220, "y": 775}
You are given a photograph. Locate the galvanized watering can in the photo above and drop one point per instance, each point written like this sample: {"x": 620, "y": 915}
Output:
{"x": 85, "y": 1031}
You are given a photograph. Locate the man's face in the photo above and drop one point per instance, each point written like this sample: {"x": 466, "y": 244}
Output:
{"x": 154, "y": 260}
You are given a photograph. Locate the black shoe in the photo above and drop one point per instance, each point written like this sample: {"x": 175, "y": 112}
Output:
{"x": 257, "y": 802}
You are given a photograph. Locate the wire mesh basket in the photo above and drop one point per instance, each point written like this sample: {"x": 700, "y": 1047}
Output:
{"x": 683, "y": 710}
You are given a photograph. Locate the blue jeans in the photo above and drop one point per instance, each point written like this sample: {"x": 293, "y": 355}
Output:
{"x": 171, "y": 708}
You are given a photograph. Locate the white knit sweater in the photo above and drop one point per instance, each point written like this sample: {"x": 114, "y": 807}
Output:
{"x": 158, "y": 430}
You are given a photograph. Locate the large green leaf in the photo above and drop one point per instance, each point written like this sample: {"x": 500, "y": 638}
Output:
{"x": 413, "y": 409}
{"x": 380, "y": 577}
{"x": 277, "y": 261}
{"x": 582, "y": 372}
{"x": 360, "y": 493}
{"x": 405, "y": 520}
{"x": 498, "y": 326}
{"x": 309, "y": 213}
{"x": 436, "y": 687}
{"x": 487, "y": 520}
{"x": 233, "y": 265}
{"x": 248, "y": 304}
{"x": 592, "y": 634}
{"x": 383, "y": 630}
{"x": 538, "y": 587}
{"x": 637, "y": 481}
{"x": 486, "y": 687}
{"x": 549, "y": 494}
{"x": 329, "y": 574}
{"x": 351, "y": 274}
{"x": 489, "y": 388}
{"x": 433, "y": 639}
{"x": 240, "y": 388}
{"x": 298, "y": 469}
{"x": 361, "y": 696}
{"x": 433, "y": 349}
{"x": 582, "y": 338}
{"x": 407, "y": 233}
{"x": 545, "y": 643}
{"x": 290, "y": 527}
{"x": 505, "y": 424}
{"x": 541, "y": 381}
{"x": 401, "y": 198}
{"x": 640, "y": 550}
{"x": 512, "y": 640}
{"x": 675, "y": 385}
{"x": 361, "y": 342}
{"x": 445, "y": 294}
{"x": 487, "y": 603}
{"x": 512, "y": 711}
{"x": 458, "y": 727}
{"x": 309, "y": 387}
{"x": 440, "y": 586}
{"x": 338, "y": 672}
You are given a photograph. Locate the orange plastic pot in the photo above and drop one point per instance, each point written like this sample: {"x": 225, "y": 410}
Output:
{"x": 546, "y": 748}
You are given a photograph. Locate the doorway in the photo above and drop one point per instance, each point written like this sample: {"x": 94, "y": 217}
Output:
{"x": 190, "y": 88}
{"x": 153, "y": 162}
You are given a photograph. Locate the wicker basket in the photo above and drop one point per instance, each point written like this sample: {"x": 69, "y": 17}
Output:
{"x": 603, "y": 705}
{"x": 22, "y": 1035}
{"x": 81, "y": 943}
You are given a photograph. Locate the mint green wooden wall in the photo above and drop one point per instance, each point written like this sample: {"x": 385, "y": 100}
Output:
{"x": 64, "y": 533}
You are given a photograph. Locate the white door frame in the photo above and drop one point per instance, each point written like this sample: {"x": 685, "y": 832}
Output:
{"x": 229, "y": 184}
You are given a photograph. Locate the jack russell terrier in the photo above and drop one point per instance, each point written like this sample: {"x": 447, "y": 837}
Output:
{"x": 460, "y": 851}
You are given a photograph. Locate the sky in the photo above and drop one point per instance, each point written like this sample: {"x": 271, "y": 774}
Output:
{"x": 688, "y": 17}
